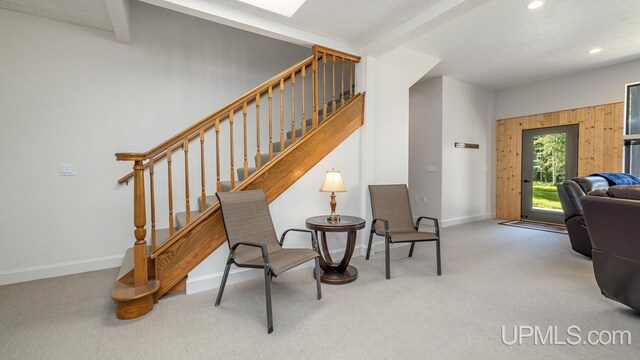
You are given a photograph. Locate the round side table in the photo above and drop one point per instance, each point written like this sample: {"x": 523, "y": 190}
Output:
{"x": 337, "y": 273}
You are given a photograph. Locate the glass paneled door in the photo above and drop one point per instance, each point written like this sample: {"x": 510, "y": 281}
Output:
{"x": 549, "y": 156}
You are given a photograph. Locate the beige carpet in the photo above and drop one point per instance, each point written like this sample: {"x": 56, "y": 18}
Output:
{"x": 492, "y": 276}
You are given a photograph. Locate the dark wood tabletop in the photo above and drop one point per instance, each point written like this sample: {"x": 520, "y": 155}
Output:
{"x": 347, "y": 223}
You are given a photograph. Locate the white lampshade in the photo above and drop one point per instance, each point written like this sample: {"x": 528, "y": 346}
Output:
{"x": 333, "y": 182}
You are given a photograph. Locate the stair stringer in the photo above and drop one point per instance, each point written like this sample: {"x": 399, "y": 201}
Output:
{"x": 196, "y": 241}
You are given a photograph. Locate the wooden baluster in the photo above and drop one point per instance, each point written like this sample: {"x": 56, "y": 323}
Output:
{"x": 244, "y": 137}
{"x": 281, "y": 114}
{"x": 324, "y": 85}
{"x": 258, "y": 156}
{"x": 202, "y": 171}
{"x": 270, "y": 95}
{"x": 152, "y": 193}
{"x": 350, "y": 79}
{"x": 187, "y": 205}
{"x": 217, "y": 128}
{"x": 333, "y": 84}
{"x": 170, "y": 190}
{"x": 293, "y": 106}
{"x": 314, "y": 89}
{"x": 140, "y": 272}
{"x": 302, "y": 100}
{"x": 218, "y": 184}
{"x": 233, "y": 170}
{"x": 341, "y": 81}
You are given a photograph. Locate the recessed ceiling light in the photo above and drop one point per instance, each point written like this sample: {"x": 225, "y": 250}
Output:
{"x": 282, "y": 7}
{"x": 535, "y": 4}
{"x": 595, "y": 50}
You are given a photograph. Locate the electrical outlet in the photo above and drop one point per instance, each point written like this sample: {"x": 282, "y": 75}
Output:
{"x": 432, "y": 168}
{"x": 424, "y": 199}
{"x": 67, "y": 169}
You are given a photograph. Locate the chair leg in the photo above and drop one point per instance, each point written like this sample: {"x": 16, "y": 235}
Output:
{"x": 387, "y": 259}
{"x": 319, "y": 288}
{"x": 267, "y": 285}
{"x": 224, "y": 282}
{"x": 369, "y": 246}
{"x": 438, "y": 256}
{"x": 411, "y": 250}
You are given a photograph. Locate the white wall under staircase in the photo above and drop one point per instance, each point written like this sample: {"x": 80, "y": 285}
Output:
{"x": 71, "y": 94}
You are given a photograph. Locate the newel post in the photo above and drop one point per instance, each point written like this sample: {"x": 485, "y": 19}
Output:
{"x": 140, "y": 272}
{"x": 314, "y": 89}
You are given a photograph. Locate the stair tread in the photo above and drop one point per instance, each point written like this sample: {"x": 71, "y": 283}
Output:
{"x": 299, "y": 130}
{"x": 276, "y": 145}
{"x": 240, "y": 171}
{"x": 126, "y": 292}
{"x": 265, "y": 157}
{"x": 210, "y": 199}
{"x": 161, "y": 236}
{"x": 181, "y": 218}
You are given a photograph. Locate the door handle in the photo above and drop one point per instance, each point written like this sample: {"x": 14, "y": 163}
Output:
{"x": 527, "y": 181}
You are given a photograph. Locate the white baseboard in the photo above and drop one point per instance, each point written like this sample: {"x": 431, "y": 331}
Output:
{"x": 212, "y": 281}
{"x": 466, "y": 219}
{"x": 60, "y": 269}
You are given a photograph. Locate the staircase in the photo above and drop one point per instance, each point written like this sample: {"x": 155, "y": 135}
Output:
{"x": 183, "y": 234}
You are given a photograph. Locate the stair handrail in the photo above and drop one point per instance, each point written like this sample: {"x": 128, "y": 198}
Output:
{"x": 190, "y": 133}
{"x": 160, "y": 151}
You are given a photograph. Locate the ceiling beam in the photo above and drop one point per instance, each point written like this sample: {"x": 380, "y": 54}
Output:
{"x": 421, "y": 24}
{"x": 119, "y": 14}
{"x": 231, "y": 17}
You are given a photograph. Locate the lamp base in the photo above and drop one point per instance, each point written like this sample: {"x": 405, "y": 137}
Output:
{"x": 333, "y": 219}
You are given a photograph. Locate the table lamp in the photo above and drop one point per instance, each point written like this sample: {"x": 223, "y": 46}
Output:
{"x": 333, "y": 183}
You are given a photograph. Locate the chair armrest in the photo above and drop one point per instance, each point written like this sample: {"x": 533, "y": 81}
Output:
{"x": 385, "y": 222}
{"x": 263, "y": 247}
{"x": 435, "y": 223}
{"x": 314, "y": 239}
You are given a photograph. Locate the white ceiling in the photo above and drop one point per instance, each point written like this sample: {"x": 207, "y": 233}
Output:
{"x": 491, "y": 43}
{"x": 92, "y": 13}
{"x": 357, "y": 22}
{"x": 502, "y": 44}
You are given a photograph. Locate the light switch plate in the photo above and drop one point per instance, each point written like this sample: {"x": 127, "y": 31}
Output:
{"x": 67, "y": 169}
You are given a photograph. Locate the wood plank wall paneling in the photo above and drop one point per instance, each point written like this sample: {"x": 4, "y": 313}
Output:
{"x": 599, "y": 150}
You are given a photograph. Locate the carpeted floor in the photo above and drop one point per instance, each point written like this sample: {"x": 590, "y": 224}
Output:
{"x": 493, "y": 276}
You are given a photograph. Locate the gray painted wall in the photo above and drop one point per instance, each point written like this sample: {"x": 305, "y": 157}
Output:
{"x": 593, "y": 87}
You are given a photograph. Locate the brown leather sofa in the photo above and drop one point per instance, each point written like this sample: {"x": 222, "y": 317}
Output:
{"x": 613, "y": 224}
{"x": 570, "y": 193}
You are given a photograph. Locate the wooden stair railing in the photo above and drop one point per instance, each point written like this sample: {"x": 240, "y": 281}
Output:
{"x": 138, "y": 289}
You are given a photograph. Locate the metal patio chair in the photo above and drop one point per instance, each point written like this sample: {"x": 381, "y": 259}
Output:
{"x": 393, "y": 219}
{"x": 253, "y": 242}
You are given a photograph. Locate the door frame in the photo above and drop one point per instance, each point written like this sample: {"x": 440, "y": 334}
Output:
{"x": 527, "y": 212}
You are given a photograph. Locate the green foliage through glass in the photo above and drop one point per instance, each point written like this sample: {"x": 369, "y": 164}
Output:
{"x": 548, "y": 169}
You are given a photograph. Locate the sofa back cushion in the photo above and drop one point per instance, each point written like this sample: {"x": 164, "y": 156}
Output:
{"x": 624, "y": 192}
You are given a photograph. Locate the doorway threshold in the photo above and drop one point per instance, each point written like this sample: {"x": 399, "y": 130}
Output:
{"x": 536, "y": 225}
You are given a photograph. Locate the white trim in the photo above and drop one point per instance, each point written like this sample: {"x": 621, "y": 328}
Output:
{"x": 120, "y": 20}
{"x": 225, "y": 15}
{"x": 212, "y": 281}
{"x": 441, "y": 13}
{"x": 466, "y": 219}
{"x": 60, "y": 269}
